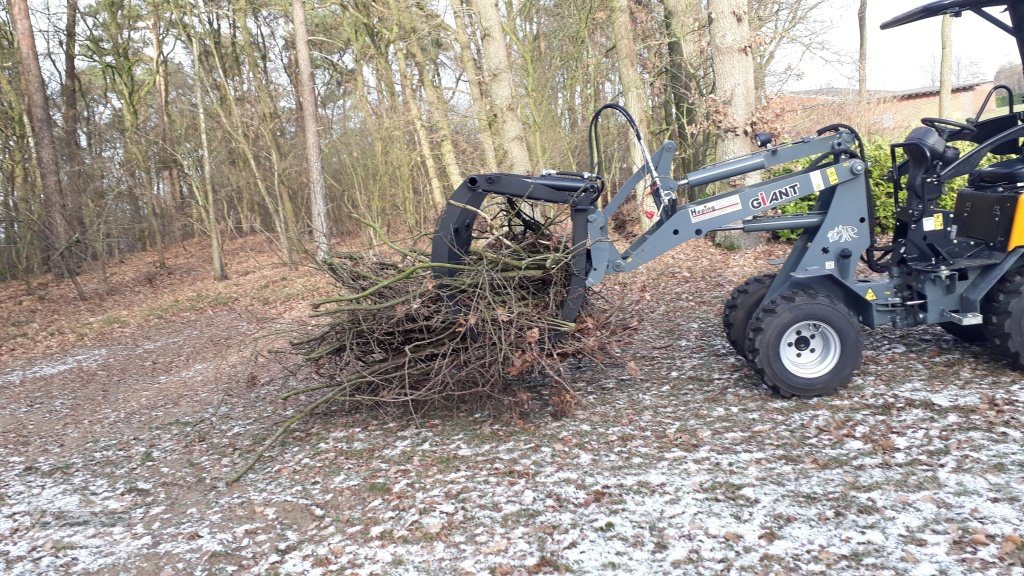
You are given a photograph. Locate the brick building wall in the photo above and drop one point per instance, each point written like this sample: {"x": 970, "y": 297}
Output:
{"x": 907, "y": 110}
{"x": 888, "y": 115}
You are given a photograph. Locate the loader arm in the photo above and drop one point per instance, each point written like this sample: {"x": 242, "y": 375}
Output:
{"x": 835, "y": 173}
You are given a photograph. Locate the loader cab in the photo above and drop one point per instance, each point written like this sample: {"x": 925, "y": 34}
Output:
{"x": 1010, "y": 170}
{"x": 984, "y": 223}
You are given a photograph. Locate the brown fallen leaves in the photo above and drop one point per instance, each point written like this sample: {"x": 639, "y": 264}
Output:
{"x": 1011, "y": 550}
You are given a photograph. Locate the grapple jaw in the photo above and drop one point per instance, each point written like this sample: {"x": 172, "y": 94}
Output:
{"x": 454, "y": 234}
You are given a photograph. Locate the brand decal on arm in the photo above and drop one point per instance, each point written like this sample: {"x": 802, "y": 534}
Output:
{"x": 765, "y": 199}
{"x": 714, "y": 208}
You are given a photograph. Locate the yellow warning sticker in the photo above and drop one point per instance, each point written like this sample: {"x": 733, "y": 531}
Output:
{"x": 938, "y": 221}
{"x": 870, "y": 295}
{"x": 833, "y": 176}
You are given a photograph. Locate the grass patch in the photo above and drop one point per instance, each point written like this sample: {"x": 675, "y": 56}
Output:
{"x": 112, "y": 320}
{"x": 190, "y": 303}
{"x": 378, "y": 488}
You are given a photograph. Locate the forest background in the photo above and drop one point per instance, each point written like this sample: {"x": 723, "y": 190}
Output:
{"x": 129, "y": 125}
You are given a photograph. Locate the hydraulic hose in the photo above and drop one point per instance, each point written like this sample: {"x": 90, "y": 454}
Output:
{"x": 595, "y": 153}
{"x": 869, "y": 258}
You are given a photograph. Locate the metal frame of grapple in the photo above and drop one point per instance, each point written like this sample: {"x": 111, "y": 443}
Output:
{"x": 454, "y": 235}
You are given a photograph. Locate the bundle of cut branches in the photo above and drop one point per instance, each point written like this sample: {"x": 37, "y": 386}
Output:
{"x": 398, "y": 335}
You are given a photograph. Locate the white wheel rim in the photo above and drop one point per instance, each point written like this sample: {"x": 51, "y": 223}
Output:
{"x": 810, "y": 349}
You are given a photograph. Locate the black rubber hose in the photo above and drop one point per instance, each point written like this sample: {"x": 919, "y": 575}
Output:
{"x": 595, "y": 137}
{"x": 869, "y": 255}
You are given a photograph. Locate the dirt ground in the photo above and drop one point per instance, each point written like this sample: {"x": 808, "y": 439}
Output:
{"x": 122, "y": 416}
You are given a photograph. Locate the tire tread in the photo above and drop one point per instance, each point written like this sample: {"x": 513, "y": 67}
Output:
{"x": 768, "y": 313}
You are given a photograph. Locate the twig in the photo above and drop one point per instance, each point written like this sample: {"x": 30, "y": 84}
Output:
{"x": 280, "y": 432}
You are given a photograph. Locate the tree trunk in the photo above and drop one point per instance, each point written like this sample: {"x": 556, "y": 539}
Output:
{"x": 473, "y": 78}
{"x": 862, "y": 59}
{"x": 239, "y": 129}
{"x": 734, "y": 75}
{"x": 318, "y": 202}
{"x": 496, "y": 64}
{"x": 437, "y": 193}
{"x": 216, "y": 249}
{"x": 76, "y": 169}
{"x": 165, "y": 162}
{"x": 683, "y": 22}
{"x": 732, "y": 59}
{"x": 946, "y": 68}
{"x": 634, "y": 95}
{"x": 41, "y": 123}
{"x": 438, "y": 109}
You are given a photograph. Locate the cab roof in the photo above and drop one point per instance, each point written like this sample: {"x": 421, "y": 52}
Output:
{"x": 1015, "y": 9}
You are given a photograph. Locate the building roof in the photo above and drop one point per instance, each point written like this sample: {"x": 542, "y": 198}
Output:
{"x": 846, "y": 93}
{"x": 914, "y": 92}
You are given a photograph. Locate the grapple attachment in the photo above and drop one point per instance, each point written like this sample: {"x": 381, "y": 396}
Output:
{"x": 579, "y": 192}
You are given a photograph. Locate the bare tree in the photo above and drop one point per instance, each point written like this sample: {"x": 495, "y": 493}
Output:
{"x": 782, "y": 24}
{"x": 318, "y": 203}
{"x": 966, "y": 71}
{"x": 38, "y": 108}
{"x": 511, "y": 135}
{"x": 187, "y": 119}
{"x": 1011, "y": 75}
{"x": 732, "y": 58}
{"x": 862, "y": 59}
{"x": 946, "y": 68}
{"x": 437, "y": 109}
{"x": 164, "y": 156}
{"x": 688, "y": 79}
{"x": 415, "y": 114}
{"x": 734, "y": 75}
{"x": 69, "y": 91}
{"x": 633, "y": 93}
{"x": 207, "y": 194}
{"x": 473, "y": 79}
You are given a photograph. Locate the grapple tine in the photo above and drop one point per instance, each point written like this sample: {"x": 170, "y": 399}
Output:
{"x": 454, "y": 232}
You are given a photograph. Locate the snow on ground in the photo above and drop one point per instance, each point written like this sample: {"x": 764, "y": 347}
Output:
{"x": 691, "y": 468}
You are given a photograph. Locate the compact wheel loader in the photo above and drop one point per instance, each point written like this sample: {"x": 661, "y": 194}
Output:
{"x": 798, "y": 327}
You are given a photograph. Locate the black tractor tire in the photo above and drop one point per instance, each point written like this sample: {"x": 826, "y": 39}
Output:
{"x": 1003, "y": 309}
{"x": 743, "y": 302}
{"x": 804, "y": 343}
{"x": 973, "y": 334}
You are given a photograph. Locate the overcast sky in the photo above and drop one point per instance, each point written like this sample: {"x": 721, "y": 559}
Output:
{"x": 905, "y": 57}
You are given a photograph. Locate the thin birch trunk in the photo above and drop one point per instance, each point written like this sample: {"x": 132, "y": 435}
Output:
{"x": 217, "y": 253}
{"x": 478, "y": 102}
{"x": 438, "y": 111}
{"x": 437, "y": 193}
{"x": 318, "y": 203}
